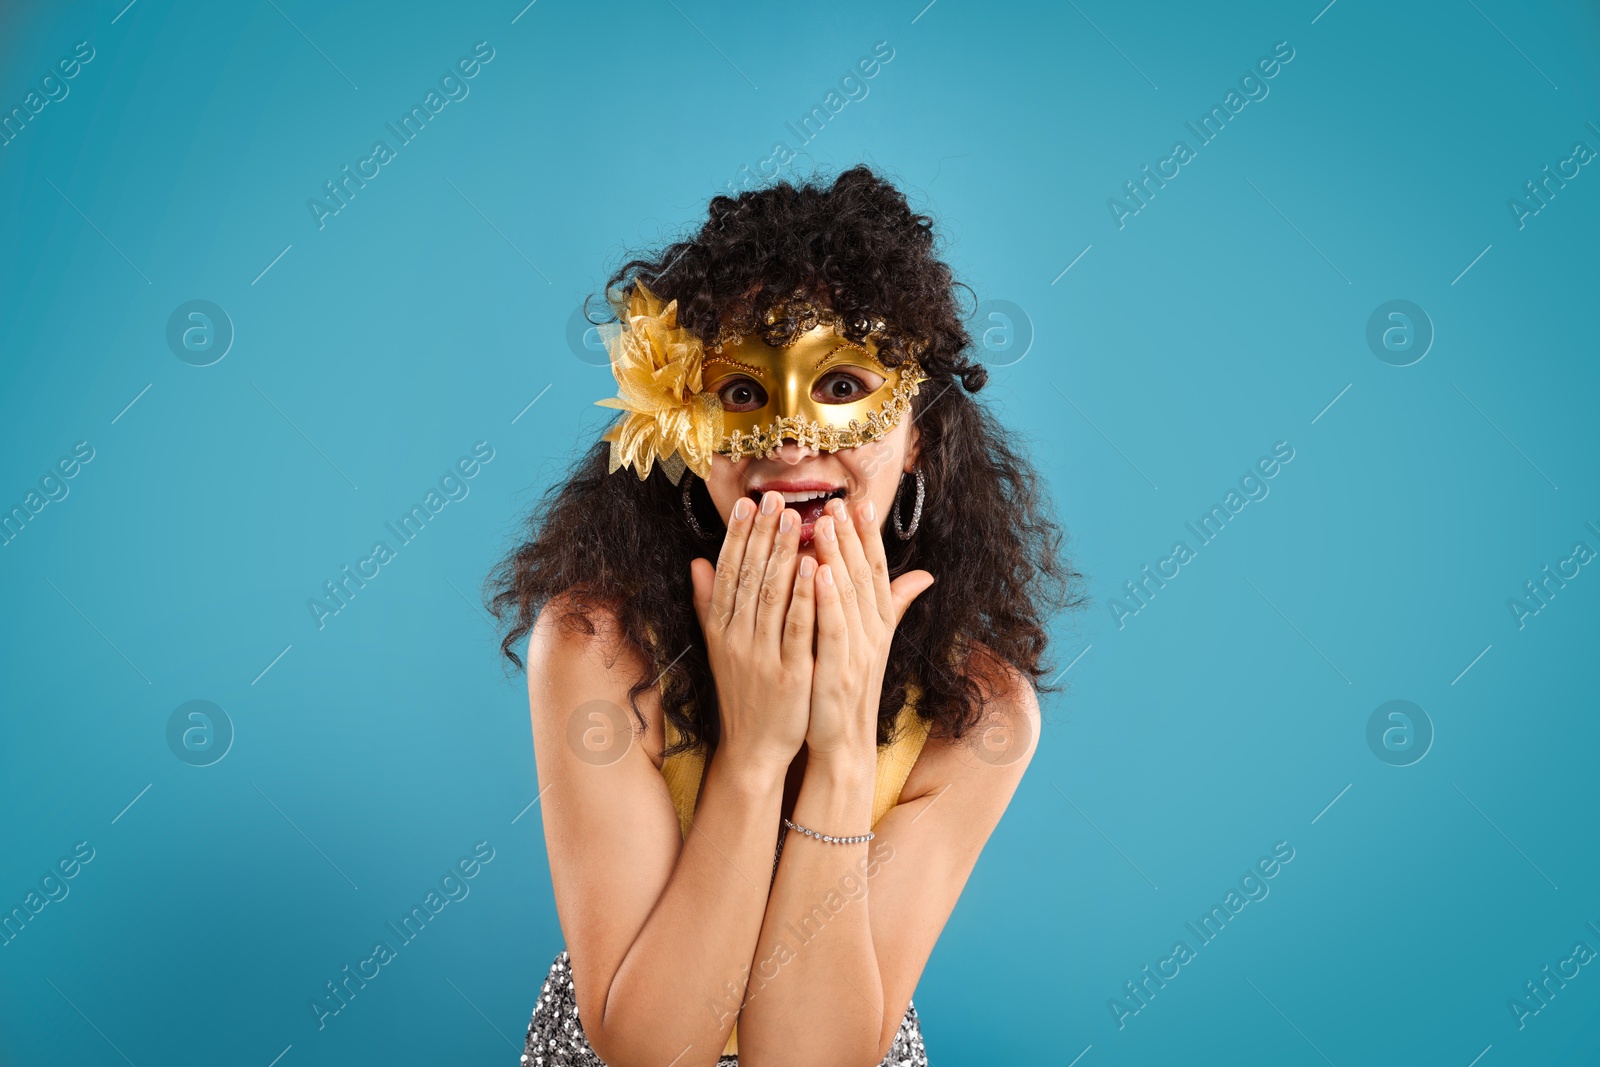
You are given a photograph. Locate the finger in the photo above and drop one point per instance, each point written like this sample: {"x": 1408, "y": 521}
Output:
{"x": 731, "y": 557}
{"x": 703, "y": 579}
{"x": 825, "y": 540}
{"x": 871, "y": 535}
{"x": 855, "y": 559}
{"x": 833, "y": 631}
{"x": 778, "y": 583}
{"x": 906, "y": 588}
{"x": 754, "y": 566}
{"x": 829, "y": 535}
{"x": 799, "y": 630}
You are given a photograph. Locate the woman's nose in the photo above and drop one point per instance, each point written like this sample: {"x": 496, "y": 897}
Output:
{"x": 792, "y": 452}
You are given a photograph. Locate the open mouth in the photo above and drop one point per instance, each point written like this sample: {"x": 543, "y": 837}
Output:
{"x": 808, "y": 504}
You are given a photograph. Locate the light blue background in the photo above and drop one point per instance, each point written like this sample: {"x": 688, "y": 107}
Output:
{"x": 1222, "y": 718}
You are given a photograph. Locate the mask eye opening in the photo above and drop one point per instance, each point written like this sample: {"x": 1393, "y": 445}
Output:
{"x": 755, "y": 397}
{"x": 859, "y": 376}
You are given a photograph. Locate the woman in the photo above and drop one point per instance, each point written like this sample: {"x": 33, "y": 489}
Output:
{"x": 753, "y": 861}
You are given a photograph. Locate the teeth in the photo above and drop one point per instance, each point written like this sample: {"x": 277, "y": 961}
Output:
{"x": 809, "y": 494}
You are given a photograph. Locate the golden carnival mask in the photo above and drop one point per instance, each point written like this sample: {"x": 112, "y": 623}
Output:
{"x": 796, "y": 378}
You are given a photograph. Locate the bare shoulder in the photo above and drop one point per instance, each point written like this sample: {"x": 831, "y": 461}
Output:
{"x": 1011, "y": 709}
{"x": 581, "y": 666}
{"x": 571, "y": 625}
{"x": 997, "y": 750}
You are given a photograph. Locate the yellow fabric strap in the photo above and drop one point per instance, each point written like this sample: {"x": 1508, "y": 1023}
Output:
{"x": 685, "y": 770}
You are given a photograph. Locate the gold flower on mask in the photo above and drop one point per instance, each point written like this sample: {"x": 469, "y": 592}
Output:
{"x": 657, "y": 365}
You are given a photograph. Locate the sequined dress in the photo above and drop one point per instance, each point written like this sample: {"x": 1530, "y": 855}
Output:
{"x": 555, "y": 1035}
{"x": 556, "y": 1039}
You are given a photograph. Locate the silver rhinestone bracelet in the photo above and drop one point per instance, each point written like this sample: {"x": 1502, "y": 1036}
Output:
{"x": 857, "y": 839}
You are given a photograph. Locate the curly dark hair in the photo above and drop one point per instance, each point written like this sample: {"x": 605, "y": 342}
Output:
{"x": 612, "y": 542}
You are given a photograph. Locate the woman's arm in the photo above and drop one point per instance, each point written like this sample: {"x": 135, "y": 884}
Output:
{"x": 660, "y": 929}
{"x": 653, "y": 923}
{"x": 815, "y": 995}
{"x": 837, "y": 997}
{"x": 849, "y": 928}
{"x": 949, "y": 807}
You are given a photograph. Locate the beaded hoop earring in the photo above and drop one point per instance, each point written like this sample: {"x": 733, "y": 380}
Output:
{"x": 688, "y": 510}
{"x": 905, "y": 534}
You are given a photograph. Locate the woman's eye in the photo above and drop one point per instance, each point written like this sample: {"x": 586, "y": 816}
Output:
{"x": 841, "y": 387}
{"x": 741, "y": 394}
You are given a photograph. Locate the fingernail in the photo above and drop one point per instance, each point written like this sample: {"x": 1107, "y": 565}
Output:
{"x": 770, "y": 502}
{"x": 870, "y": 511}
{"x": 825, "y": 574}
{"x": 786, "y": 521}
{"x": 741, "y": 509}
{"x": 807, "y": 565}
{"x": 825, "y": 527}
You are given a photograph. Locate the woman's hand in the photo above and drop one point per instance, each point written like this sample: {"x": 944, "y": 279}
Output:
{"x": 758, "y": 613}
{"x": 858, "y": 608}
